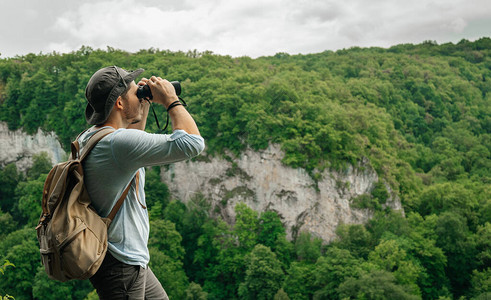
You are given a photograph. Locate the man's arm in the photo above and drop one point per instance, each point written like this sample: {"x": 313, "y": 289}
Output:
{"x": 181, "y": 119}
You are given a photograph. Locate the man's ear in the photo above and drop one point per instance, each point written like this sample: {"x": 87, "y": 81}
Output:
{"x": 119, "y": 103}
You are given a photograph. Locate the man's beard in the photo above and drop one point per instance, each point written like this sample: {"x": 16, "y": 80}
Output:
{"x": 132, "y": 116}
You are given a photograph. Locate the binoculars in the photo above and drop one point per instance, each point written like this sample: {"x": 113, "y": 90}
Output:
{"x": 144, "y": 92}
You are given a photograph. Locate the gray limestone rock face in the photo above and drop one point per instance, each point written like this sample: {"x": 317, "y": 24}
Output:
{"x": 263, "y": 182}
{"x": 19, "y": 147}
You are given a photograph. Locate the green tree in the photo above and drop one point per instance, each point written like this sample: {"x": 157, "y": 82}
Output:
{"x": 9, "y": 178}
{"x": 208, "y": 246}
{"x": 376, "y": 284}
{"x": 195, "y": 292}
{"x": 299, "y": 282}
{"x": 270, "y": 229}
{"x": 7, "y": 224}
{"x": 166, "y": 254}
{"x": 169, "y": 272}
{"x": 45, "y": 288}
{"x": 391, "y": 258}
{"x": 30, "y": 195}
{"x": 422, "y": 246}
{"x": 454, "y": 239}
{"x": 233, "y": 245}
{"x": 191, "y": 228}
{"x": 281, "y": 295}
{"x": 155, "y": 190}
{"x": 17, "y": 237}
{"x": 246, "y": 227}
{"x": 2, "y": 270}
{"x": 355, "y": 238}
{"x": 92, "y": 296}
{"x": 18, "y": 281}
{"x": 332, "y": 269}
{"x": 165, "y": 238}
{"x": 455, "y": 197}
{"x": 174, "y": 212}
{"x": 308, "y": 247}
{"x": 382, "y": 223}
{"x": 483, "y": 245}
{"x": 285, "y": 251}
{"x": 481, "y": 284}
{"x": 263, "y": 274}
{"x": 41, "y": 165}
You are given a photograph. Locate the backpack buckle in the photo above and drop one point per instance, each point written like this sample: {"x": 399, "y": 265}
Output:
{"x": 44, "y": 221}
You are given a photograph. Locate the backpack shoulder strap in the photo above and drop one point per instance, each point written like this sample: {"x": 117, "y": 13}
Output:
{"x": 118, "y": 204}
{"x": 93, "y": 140}
{"x": 75, "y": 146}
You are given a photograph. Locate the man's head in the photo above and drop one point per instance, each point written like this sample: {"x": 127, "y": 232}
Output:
{"x": 103, "y": 89}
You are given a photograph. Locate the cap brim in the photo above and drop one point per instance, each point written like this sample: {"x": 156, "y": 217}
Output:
{"x": 131, "y": 76}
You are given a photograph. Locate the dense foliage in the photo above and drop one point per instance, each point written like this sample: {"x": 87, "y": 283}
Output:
{"x": 419, "y": 114}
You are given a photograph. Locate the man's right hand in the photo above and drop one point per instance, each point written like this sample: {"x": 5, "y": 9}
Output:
{"x": 162, "y": 90}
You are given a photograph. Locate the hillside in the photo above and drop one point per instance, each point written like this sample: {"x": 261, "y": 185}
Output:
{"x": 418, "y": 116}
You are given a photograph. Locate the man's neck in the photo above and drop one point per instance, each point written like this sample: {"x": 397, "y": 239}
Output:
{"x": 115, "y": 125}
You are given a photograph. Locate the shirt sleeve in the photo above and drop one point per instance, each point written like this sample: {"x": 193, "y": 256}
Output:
{"x": 133, "y": 149}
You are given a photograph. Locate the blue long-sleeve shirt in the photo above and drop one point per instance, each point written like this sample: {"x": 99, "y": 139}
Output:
{"x": 112, "y": 165}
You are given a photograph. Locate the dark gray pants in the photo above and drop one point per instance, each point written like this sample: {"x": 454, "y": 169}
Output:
{"x": 117, "y": 280}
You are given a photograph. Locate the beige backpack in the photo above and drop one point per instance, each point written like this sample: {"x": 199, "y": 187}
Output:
{"x": 72, "y": 236}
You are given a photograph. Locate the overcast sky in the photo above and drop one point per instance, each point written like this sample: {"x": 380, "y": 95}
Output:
{"x": 236, "y": 27}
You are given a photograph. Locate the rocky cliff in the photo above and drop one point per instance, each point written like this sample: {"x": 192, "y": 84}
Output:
{"x": 261, "y": 181}
{"x": 258, "y": 179}
{"x": 18, "y": 147}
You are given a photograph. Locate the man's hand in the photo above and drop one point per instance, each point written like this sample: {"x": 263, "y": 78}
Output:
{"x": 163, "y": 91}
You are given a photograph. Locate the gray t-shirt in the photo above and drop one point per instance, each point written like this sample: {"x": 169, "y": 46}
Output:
{"x": 112, "y": 165}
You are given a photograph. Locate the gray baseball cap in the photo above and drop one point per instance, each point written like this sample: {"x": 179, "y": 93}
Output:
{"x": 104, "y": 87}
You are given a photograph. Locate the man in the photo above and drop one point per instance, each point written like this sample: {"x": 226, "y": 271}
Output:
{"x": 118, "y": 160}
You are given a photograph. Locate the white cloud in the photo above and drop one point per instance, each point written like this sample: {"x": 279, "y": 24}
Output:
{"x": 240, "y": 27}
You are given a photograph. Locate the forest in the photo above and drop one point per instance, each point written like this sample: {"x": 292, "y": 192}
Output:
{"x": 420, "y": 114}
